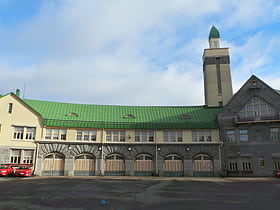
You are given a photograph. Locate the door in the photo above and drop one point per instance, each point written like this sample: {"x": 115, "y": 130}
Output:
{"x": 203, "y": 165}
{"x": 53, "y": 165}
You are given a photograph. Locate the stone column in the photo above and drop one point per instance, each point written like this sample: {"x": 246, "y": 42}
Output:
{"x": 188, "y": 167}
{"x": 69, "y": 167}
{"x": 217, "y": 168}
{"x": 129, "y": 167}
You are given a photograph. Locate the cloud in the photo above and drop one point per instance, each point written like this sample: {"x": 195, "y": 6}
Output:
{"x": 121, "y": 52}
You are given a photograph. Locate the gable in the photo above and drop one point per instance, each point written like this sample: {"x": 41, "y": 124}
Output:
{"x": 14, "y": 111}
{"x": 264, "y": 98}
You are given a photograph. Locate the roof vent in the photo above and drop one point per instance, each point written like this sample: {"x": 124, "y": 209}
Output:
{"x": 185, "y": 116}
{"x": 72, "y": 114}
{"x": 129, "y": 116}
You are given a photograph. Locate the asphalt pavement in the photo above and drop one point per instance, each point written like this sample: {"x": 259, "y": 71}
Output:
{"x": 137, "y": 193}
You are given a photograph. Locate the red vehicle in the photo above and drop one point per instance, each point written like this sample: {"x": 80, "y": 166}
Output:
{"x": 23, "y": 171}
{"x": 6, "y": 170}
{"x": 277, "y": 174}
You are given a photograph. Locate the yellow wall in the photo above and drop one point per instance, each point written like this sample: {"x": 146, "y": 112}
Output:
{"x": 22, "y": 116}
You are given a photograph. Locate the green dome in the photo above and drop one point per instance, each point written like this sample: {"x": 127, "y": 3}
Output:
{"x": 214, "y": 33}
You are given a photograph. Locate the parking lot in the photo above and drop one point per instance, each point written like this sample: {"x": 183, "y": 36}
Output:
{"x": 138, "y": 193}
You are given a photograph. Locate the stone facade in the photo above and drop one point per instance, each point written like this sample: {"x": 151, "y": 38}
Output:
{"x": 249, "y": 148}
{"x": 129, "y": 152}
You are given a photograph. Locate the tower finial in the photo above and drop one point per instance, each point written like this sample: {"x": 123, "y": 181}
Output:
{"x": 214, "y": 38}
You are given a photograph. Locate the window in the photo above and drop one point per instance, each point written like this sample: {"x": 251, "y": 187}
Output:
{"x": 10, "y": 107}
{"x": 22, "y": 156}
{"x": 30, "y": 133}
{"x": 115, "y": 135}
{"x": 231, "y": 136}
{"x": 276, "y": 164}
{"x": 15, "y": 156}
{"x": 18, "y": 132}
{"x": 172, "y": 136}
{"x": 201, "y": 136}
{"x": 144, "y": 136}
{"x": 275, "y": 134}
{"x": 26, "y": 133}
{"x": 243, "y": 135}
{"x": 261, "y": 162}
{"x": 86, "y": 135}
{"x": 256, "y": 107}
{"x": 55, "y": 134}
{"x": 232, "y": 164}
{"x": 246, "y": 164}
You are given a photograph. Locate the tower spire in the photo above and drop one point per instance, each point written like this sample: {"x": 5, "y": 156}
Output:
{"x": 216, "y": 71}
{"x": 214, "y": 38}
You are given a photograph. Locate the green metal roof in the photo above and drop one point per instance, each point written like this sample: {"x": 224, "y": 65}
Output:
{"x": 214, "y": 33}
{"x": 125, "y": 117}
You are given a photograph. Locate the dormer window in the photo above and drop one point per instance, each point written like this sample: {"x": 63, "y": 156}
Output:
{"x": 185, "y": 116}
{"x": 72, "y": 114}
{"x": 129, "y": 116}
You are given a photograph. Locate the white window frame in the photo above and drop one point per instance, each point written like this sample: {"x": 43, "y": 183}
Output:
{"x": 55, "y": 134}
{"x": 243, "y": 135}
{"x": 276, "y": 164}
{"x": 86, "y": 135}
{"x": 256, "y": 107}
{"x": 24, "y": 133}
{"x": 172, "y": 136}
{"x": 24, "y": 156}
{"x": 233, "y": 164}
{"x": 144, "y": 136}
{"x": 231, "y": 136}
{"x": 275, "y": 134}
{"x": 115, "y": 135}
{"x": 201, "y": 136}
{"x": 246, "y": 164}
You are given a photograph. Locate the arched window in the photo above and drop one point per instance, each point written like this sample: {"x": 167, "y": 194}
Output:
{"x": 256, "y": 107}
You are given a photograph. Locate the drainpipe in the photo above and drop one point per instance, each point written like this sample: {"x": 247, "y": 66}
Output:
{"x": 36, "y": 158}
{"x": 220, "y": 158}
{"x": 156, "y": 148}
{"x": 101, "y": 169}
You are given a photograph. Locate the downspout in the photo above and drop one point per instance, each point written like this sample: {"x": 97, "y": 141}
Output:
{"x": 36, "y": 158}
{"x": 220, "y": 159}
{"x": 101, "y": 158}
{"x": 156, "y": 147}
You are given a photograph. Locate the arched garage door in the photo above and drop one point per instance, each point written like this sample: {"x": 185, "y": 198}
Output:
{"x": 84, "y": 165}
{"x": 173, "y": 165}
{"x": 144, "y": 165}
{"x": 203, "y": 165}
{"x": 114, "y": 165}
{"x": 53, "y": 165}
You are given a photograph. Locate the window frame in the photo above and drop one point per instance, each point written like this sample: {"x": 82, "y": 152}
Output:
{"x": 115, "y": 135}
{"x": 275, "y": 136}
{"x": 86, "y": 135}
{"x": 231, "y": 136}
{"x": 144, "y": 136}
{"x": 256, "y": 107}
{"x": 55, "y": 134}
{"x": 24, "y": 133}
{"x": 172, "y": 136}
{"x": 201, "y": 136}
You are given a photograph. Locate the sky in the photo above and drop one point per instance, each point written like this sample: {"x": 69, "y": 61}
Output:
{"x": 132, "y": 52}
